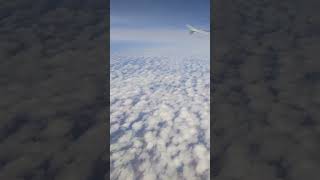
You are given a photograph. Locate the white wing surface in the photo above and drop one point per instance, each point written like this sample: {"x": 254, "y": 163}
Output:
{"x": 195, "y": 30}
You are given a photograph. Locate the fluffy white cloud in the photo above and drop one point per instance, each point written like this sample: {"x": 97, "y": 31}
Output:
{"x": 160, "y": 124}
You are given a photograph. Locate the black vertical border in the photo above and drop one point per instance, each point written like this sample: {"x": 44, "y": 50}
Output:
{"x": 108, "y": 93}
{"x": 264, "y": 123}
{"x": 55, "y": 59}
{"x": 211, "y": 84}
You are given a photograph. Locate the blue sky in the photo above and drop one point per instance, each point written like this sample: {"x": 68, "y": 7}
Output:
{"x": 159, "y": 13}
{"x": 158, "y": 26}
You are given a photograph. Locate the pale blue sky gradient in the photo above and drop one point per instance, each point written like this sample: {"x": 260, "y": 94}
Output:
{"x": 139, "y": 25}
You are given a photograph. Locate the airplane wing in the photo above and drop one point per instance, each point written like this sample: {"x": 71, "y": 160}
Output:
{"x": 195, "y": 30}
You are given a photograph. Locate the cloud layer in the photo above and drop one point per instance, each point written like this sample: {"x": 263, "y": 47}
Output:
{"x": 160, "y": 124}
